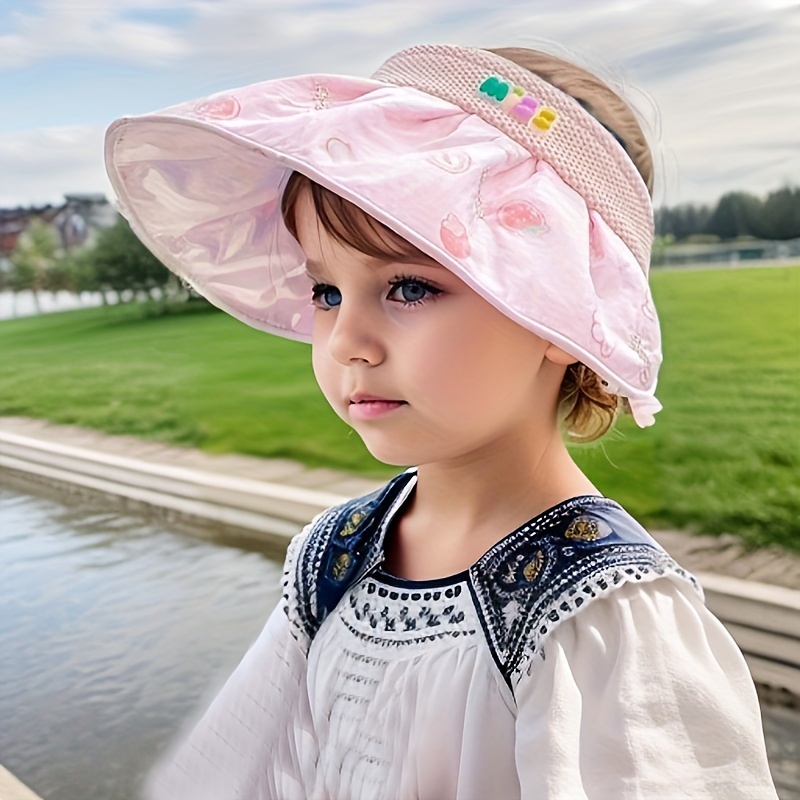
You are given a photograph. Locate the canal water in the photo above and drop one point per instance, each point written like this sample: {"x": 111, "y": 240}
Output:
{"x": 115, "y": 628}
{"x": 112, "y": 628}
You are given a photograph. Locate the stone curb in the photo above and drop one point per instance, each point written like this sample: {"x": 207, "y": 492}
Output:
{"x": 764, "y": 620}
{"x": 275, "y": 511}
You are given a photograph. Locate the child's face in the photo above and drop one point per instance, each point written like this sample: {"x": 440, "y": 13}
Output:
{"x": 419, "y": 364}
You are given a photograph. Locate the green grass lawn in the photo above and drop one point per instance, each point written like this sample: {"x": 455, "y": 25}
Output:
{"x": 724, "y": 455}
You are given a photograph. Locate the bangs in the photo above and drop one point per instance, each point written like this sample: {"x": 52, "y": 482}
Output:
{"x": 347, "y": 224}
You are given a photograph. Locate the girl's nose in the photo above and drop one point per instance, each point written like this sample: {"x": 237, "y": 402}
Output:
{"x": 355, "y": 336}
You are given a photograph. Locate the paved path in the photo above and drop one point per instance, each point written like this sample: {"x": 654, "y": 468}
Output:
{"x": 723, "y": 555}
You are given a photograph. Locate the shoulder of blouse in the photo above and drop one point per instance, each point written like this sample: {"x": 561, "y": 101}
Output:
{"x": 334, "y": 552}
{"x": 553, "y": 567}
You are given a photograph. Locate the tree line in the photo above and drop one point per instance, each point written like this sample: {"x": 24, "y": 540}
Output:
{"x": 121, "y": 268}
{"x": 736, "y": 214}
{"x": 117, "y": 265}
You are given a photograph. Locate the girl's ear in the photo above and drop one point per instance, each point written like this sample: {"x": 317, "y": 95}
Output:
{"x": 559, "y": 356}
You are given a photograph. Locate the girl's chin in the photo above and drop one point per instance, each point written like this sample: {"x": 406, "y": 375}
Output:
{"x": 401, "y": 451}
{"x": 392, "y": 457}
{"x": 389, "y": 452}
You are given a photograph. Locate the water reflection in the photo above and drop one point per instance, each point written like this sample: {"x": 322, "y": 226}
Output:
{"x": 111, "y": 628}
{"x": 115, "y": 628}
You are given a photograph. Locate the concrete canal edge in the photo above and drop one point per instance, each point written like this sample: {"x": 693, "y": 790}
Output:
{"x": 270, "y": 512}
{"x": 764, "y": 619}
{"x": 12, "y": 789}
{"x": 765, "y": 622}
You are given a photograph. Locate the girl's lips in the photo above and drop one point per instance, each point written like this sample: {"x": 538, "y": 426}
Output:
{"x": 372, "y": 408}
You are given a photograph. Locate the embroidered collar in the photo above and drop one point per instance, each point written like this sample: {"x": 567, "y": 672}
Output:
{"x": 522, "y": 588}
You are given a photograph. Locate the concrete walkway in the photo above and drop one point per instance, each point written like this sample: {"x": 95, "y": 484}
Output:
{"x": 723, "y": 555}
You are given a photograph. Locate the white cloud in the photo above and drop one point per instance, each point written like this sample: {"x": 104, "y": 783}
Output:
{"x": 54, "y": 29}
{"x": 40, "y": 166}
{"x": 724, "y": 76}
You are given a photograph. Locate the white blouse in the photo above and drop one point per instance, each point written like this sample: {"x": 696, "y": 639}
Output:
{"x": 642, "y": 694}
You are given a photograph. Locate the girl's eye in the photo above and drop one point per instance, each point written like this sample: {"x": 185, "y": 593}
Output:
{"x": 325, "y": 296}
{"x": 412, "y": 291}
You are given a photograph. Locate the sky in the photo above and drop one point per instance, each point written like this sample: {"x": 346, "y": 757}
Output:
{"x": 717, "y": 82}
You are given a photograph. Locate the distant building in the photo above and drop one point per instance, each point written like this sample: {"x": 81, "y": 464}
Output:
{"x": 12, "y": 222}
{"x": 76, "y": 222}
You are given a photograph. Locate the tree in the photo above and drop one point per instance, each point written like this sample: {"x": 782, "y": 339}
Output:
{"x": 779, "y": 216}
{"x": 681, "y": 222}
{"x": 32, "y": 257}
{"x": 120, "y": 262}
{"x": 736, "y": 214}
{"x": 81, "y": 275}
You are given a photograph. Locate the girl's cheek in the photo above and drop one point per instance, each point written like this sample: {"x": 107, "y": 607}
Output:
{"x": 323, "y": 372}
{"x": 320, "y": 323}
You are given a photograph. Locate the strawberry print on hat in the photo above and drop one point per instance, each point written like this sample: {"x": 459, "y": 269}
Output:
{"x": 218, "y": 108}
{"x": 521, "y": 215}
{"x": 454, "y": 236}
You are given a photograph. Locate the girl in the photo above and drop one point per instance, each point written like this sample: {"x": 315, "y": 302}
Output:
{"x": 464, "y": 239}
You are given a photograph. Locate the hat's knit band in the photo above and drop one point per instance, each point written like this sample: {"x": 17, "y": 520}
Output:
{"x": 549, "y": 123}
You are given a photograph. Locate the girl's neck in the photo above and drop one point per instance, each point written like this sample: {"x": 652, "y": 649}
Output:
{"x": 462, "y": 507}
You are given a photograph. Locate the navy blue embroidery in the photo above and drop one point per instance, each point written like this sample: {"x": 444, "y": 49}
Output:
{"x": 376, "y": 610}
{"x": 340, "y": 549}
{"x": 545, "y": 571}
{"x": 394, "y": 612}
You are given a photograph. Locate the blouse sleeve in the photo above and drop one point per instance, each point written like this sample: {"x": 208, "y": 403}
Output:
{"x": 256, "y": 738}
{"x": 642, "y": 695}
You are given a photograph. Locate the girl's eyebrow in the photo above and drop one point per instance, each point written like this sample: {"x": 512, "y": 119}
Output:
{"x": 423, "y": 260}
{"x": 314, "y": 270}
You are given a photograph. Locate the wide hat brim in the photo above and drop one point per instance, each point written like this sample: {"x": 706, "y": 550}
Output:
{"x": 201, "y": 184}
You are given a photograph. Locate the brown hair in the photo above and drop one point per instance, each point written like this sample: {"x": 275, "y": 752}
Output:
{"x": 347, "y": 223}
{"x": 588, "y": 411}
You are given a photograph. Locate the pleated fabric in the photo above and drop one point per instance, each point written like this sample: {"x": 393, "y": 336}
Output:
{"x": 643, "y": 694}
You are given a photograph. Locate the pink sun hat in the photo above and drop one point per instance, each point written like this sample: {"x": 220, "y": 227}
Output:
{"x": 490, "y": 170}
